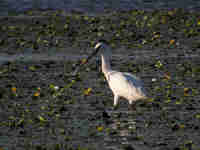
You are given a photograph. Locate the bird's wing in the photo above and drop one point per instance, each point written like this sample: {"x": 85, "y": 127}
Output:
{"x": 125, "y": 83}
{"x": 132, "y": 79}
{"x": 135, "y": 82}
{"x": 123, "y": 80}
{"x": 129, "y": 75}
{"x": 123, "y": 76}
{"x": 117, "y": 78}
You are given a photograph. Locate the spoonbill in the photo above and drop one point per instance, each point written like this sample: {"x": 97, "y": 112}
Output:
{"x": 122, "y": 84}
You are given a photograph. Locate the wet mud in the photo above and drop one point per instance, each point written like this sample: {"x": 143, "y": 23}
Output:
{"x": 43, "y": 107}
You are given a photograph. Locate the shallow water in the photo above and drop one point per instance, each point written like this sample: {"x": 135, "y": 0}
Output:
{"x": 154, "y": 125}
{"x": 63, "y": 115}
{"x": 37, "y": 57}
{"x": 93, "y": 7}
{"x": 4, "y": 58}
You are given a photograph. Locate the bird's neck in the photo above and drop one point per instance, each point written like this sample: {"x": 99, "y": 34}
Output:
{"x": 106, "y": 67}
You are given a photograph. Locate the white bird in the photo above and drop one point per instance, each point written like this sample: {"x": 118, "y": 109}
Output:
{"x": 122, "y": 84}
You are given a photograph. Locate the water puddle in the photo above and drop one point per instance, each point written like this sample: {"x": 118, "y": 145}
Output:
{"x": 4, "y": 58}
{"x": 28, "y": 57}
{"x": 93, "y": 7}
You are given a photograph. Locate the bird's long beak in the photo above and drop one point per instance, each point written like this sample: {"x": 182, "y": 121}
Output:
{"x": 88, "y": 58}
{"x": 92, "y": 54}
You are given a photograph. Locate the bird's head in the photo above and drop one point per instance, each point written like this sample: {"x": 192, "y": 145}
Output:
{"x": 104, "y": 49}
{"x": 101, "y": 46}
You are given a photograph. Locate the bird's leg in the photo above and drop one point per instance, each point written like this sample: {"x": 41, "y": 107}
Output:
{"x": 116, "y": 97}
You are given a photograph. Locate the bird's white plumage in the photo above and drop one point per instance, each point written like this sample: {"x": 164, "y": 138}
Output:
{"x": 97, "y": 45}
{"x": 122, "y": 84}
{"x": 126, "y": 85}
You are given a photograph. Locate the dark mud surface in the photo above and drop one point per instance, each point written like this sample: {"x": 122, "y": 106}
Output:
{"x": 43, "y": 107}
{"x": 93, "y": 7}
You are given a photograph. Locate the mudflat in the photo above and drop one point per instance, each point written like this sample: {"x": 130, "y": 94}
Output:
{"x": 43, "y": 107}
